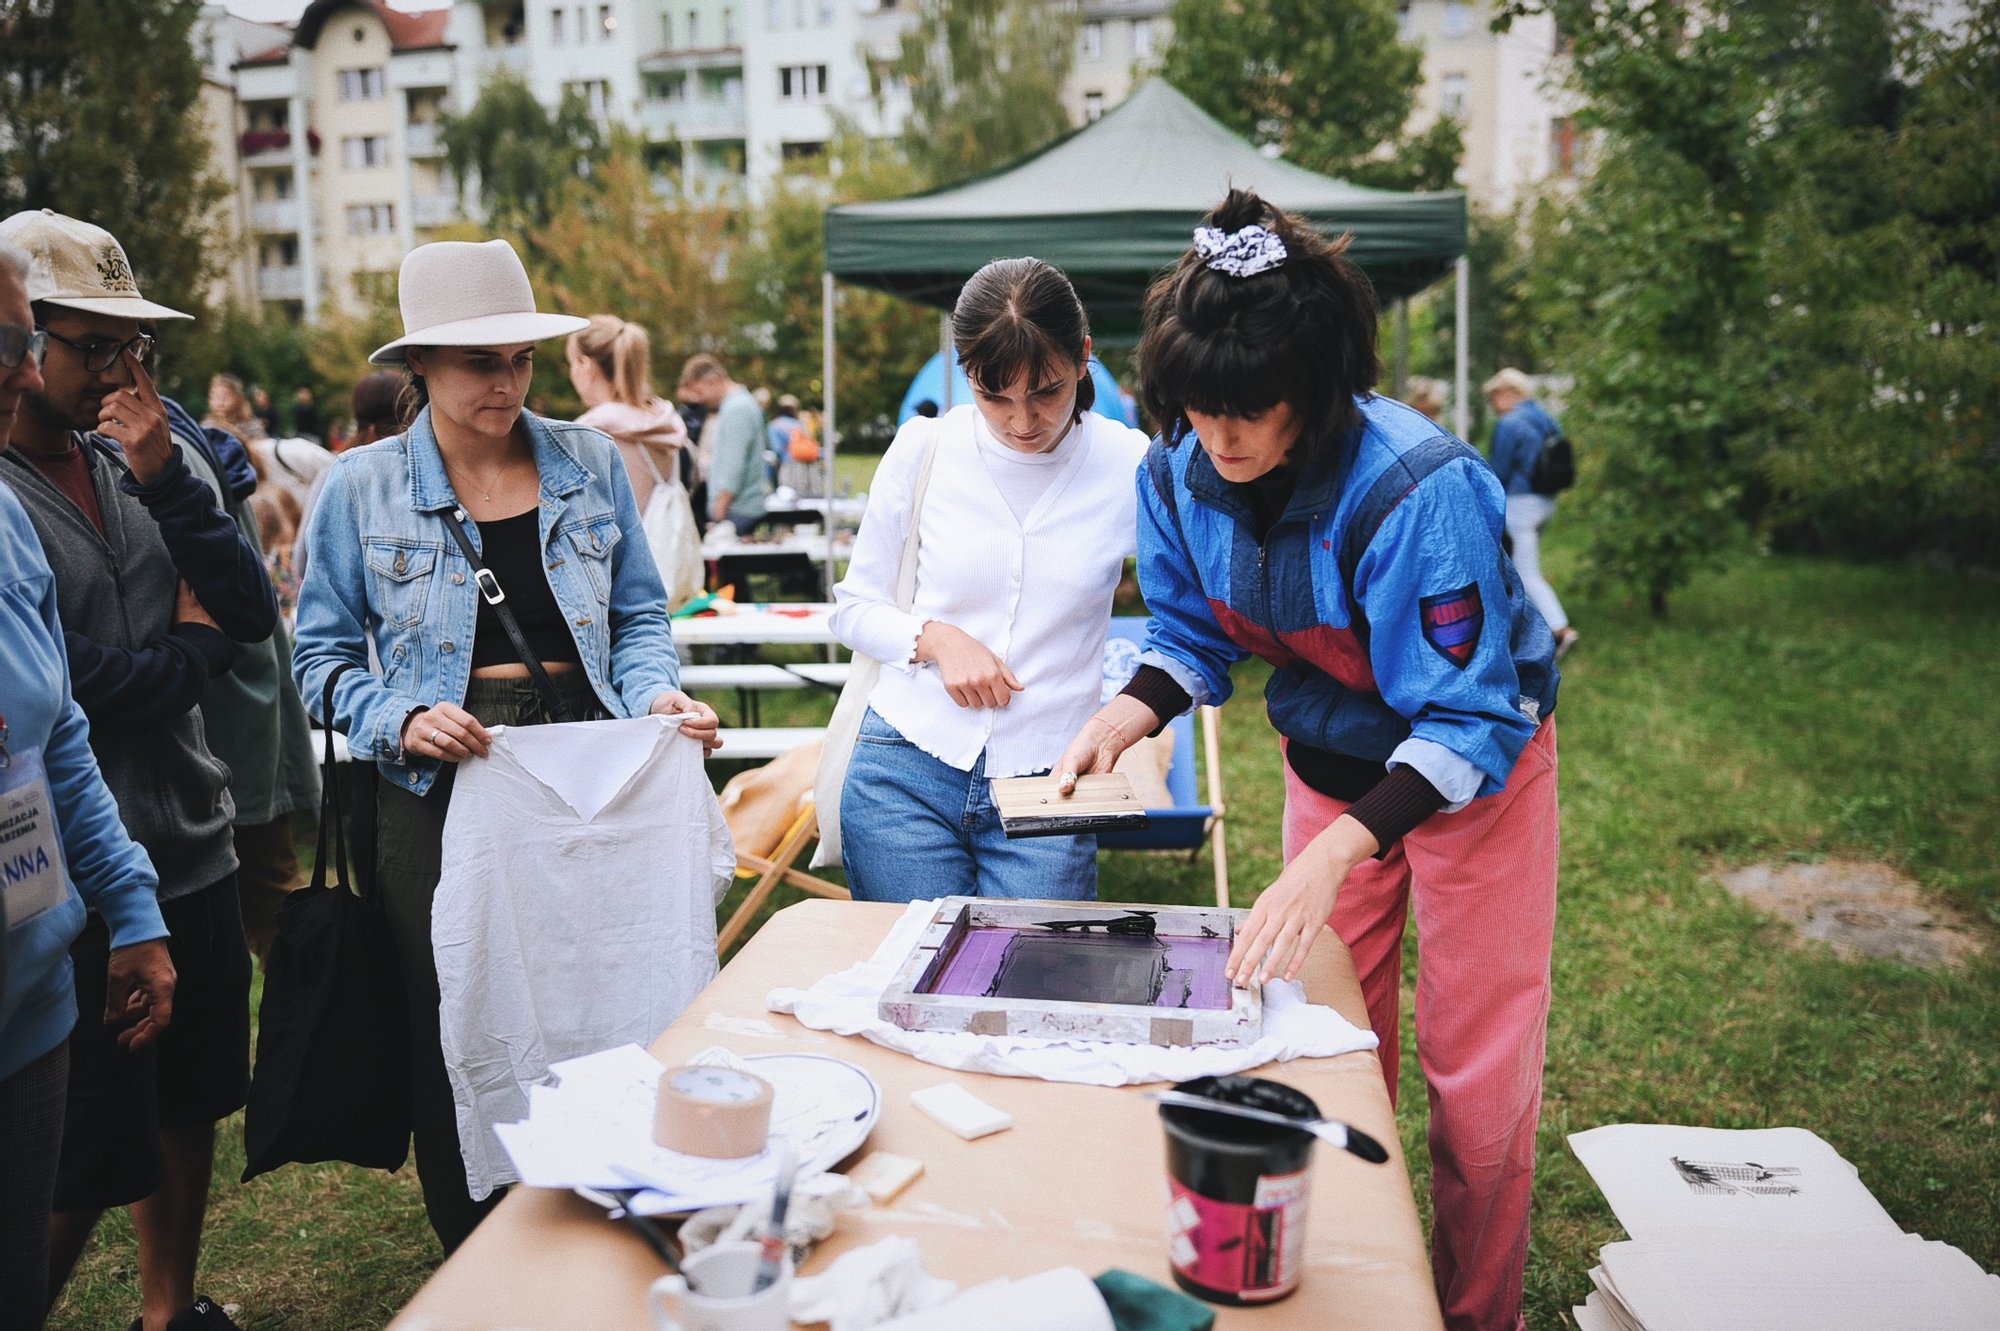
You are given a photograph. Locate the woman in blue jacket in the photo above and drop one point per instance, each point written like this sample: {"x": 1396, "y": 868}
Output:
{"x": 1523, "y": 427}
{"x": 1288, "y": 512}
{"x": 549, "y": 510}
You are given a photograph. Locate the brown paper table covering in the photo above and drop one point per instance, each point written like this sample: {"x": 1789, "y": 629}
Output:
{"x": 1079, "y": 1180}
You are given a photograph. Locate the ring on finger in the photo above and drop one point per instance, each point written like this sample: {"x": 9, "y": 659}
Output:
{"x": 437, "y": 738}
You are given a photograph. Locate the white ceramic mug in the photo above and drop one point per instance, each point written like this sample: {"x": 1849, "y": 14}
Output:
{"x": 712, "y": 1293}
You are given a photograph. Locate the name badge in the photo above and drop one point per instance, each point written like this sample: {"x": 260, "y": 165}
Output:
{"x": 32, "y": 878}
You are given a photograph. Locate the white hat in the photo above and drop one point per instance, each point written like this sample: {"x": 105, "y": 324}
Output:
{"x": 79, "y": 266}
{"x": 458, "y": 294}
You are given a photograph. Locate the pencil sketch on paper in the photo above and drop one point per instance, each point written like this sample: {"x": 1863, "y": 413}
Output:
{"x": 1723, "y": 1178}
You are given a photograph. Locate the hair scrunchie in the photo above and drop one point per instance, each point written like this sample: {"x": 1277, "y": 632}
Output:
{"x": 1244, "y": 253}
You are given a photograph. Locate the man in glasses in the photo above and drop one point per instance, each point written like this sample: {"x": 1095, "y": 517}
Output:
{"x": 155, "y": 584}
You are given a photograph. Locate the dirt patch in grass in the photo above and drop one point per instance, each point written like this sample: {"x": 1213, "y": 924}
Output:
{"x": 1860, "y": 909}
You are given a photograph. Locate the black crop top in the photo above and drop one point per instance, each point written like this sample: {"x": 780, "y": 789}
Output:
{"x": 512, "y": 548}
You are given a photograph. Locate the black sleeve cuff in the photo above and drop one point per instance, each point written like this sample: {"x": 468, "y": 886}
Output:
{"x": 1397, "y": 804}
{"x": 217, "y": 652}
{"x": 1157, "y": 689}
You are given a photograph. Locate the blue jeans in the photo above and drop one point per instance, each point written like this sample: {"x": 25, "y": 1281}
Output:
{"x": 914, "y": 828}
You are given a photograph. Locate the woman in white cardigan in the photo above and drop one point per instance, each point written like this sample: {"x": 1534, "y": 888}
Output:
{"x": 1025, "y": 526}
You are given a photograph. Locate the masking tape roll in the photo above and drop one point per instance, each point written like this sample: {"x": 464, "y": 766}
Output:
{"x": 718, "y": 1113}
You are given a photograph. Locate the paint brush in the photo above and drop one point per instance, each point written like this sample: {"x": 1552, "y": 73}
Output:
{"x": 1329, "y": 1130}
{"x": 772, "y": 1257}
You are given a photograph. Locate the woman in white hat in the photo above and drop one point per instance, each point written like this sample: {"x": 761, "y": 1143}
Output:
{"x": 560, "y": 616}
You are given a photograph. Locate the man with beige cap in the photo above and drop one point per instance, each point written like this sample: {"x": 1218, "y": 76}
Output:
{"x": 155, "y": 583}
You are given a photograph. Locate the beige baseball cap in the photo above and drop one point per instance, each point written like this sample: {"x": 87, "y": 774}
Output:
{"x": 80, "y": 266}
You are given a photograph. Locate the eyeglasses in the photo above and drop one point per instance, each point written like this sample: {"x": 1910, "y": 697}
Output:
{"x": 18, "y": 344}
{"x": 101, "y": 356}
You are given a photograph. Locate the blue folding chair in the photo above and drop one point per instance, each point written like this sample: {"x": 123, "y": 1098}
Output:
{"x": 1187, "y": 824}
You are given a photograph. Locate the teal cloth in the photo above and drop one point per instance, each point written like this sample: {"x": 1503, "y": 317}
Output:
{"x": 1137, "y": 1304}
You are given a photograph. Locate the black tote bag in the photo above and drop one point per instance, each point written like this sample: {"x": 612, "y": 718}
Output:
{"x": 333, "y": 1060}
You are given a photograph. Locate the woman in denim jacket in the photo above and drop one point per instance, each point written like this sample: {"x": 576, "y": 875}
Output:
{"x": 548, "y": 506}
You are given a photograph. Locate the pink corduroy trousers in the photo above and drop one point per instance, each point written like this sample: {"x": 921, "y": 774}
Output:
{"x": 1483, "y": 885}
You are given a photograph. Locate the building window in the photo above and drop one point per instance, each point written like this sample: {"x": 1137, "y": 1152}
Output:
{"x": 371, "y": 219}
{"x": 1093, "y": 106}
{"x": 1142, "y": 38}
{"x": 362, "y": 151}
{"x": 666, "y": 27}
{"x": 1451, "y": 96}
{"x": 825, "y": 13}
{"x": 1562, "y": 146}
{"x": 557, "y": 18}
{"x": 1093, "y": 40}
{"x": 694, "y": 27}
{"x": 1457, "y": 19}
{"x": 802, "y": 152}
{"x": 774, "y": 15}
{"x": 595, "y": 94}
{"x": 607, "y": 23}
{"x": 728, "y": 26}
{"x": 802, "y": 83}
{"x": 1406, "y": 28}
{"x": 362, "y": 85}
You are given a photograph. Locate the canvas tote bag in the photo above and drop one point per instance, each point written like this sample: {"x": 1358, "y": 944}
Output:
{"x": 838, "y": 747}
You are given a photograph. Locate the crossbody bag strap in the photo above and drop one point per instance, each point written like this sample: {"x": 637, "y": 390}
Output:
{"x": 496, "y": 596}
{"x": 330, "y": 823}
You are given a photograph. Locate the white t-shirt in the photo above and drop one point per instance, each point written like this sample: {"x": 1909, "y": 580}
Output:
{"x": 1035, "y": 589}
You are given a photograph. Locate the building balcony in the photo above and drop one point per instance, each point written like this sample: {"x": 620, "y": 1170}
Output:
{"x": 276, "y": 215}
{"x": 505, "y": 59}
{"x": 434, "y": 210}
{"x": 686, "y": 59}
{"x": 425, "y": 139}
{"x": 272, "y": 147}
{"x": 274, "y": 82}
{"x": 692, "y": 118}
{"x": 287, "y": 283}
{"x": 421, "y": 69}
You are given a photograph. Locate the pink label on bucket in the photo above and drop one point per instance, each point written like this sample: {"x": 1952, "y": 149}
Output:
{"x": 1252, "y": 1252}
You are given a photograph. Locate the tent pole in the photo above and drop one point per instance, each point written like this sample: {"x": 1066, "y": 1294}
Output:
{"x": 829, "y": 436}
{"x": 1401, "y": 391}
{"x": 1461, "y": 406}
{"x": 944, "y": 350}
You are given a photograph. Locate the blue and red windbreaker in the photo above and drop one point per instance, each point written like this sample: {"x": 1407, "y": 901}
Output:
{"x": 1395, "y": 623}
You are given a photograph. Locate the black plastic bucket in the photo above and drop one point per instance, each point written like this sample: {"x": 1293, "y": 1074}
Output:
{"x": 1236, "y": 1222}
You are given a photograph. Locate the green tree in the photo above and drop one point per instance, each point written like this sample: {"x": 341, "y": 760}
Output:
{"x": 98, "y": 120}
{"x": 516, "y": 156}
{"x": 775, "y": 277}
{"x": 1327, "y": 83}
{"x": 1658, "y": 266}
{"x": 985, "y": 80}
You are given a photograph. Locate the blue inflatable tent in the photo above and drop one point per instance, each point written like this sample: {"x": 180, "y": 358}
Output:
{"x": 929, "y": 384}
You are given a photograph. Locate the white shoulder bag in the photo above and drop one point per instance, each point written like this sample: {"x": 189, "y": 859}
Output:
{"x": 837, "y": 749}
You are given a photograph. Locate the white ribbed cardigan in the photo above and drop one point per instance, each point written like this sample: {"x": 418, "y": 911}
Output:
{"x": 1036, "y": 592}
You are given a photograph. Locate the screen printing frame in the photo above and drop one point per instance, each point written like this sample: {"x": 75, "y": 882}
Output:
{"x": 907, "y": 1003}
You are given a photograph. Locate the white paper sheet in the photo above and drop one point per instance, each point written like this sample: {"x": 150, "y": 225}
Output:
{"x": 1665, "y": 1181}
{"x": 1861, "y": 1282}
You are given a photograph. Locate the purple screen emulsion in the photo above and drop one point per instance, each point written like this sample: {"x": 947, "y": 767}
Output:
{"x": 1081, "y": 967}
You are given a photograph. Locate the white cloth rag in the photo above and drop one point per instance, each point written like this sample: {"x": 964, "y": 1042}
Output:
{"x": 846, "y": 1004}
{"x": 583, "y": 863}
{"x": 867, "y": 1286}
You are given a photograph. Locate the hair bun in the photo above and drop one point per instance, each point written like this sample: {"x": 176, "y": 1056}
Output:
{"x": 1239, "y": 209}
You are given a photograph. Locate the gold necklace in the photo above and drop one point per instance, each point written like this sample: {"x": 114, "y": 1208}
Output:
{"x": 484, "y": 493}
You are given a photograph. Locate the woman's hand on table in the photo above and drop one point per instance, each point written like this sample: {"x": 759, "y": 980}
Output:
{"x": 972, "y": 674}
{"x": 1285, "y": 922}
{"x": 446, "y": 731}
{"x": 1118, "y": 725}
{"x": 699, "y": 720}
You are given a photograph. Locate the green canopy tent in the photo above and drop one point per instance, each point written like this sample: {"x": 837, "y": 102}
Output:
{"x": 1113, "y": 204}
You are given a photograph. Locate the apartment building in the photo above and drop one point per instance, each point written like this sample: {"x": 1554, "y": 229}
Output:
{"x": 330, "y": 129}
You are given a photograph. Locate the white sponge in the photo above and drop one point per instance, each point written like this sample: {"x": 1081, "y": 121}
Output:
{"x": 960, "y": 1110}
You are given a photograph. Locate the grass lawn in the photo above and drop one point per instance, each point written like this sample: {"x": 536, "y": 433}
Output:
{"x": 1789, "y": 708}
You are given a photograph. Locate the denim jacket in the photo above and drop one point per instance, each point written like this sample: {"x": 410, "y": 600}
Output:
{"x": 386, "y": 573}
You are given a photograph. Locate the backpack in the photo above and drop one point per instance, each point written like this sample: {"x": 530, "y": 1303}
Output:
{"x": 1555, "y": 466}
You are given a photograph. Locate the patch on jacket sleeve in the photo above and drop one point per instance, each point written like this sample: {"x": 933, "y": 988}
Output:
{"x": 1452, "y": 622}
